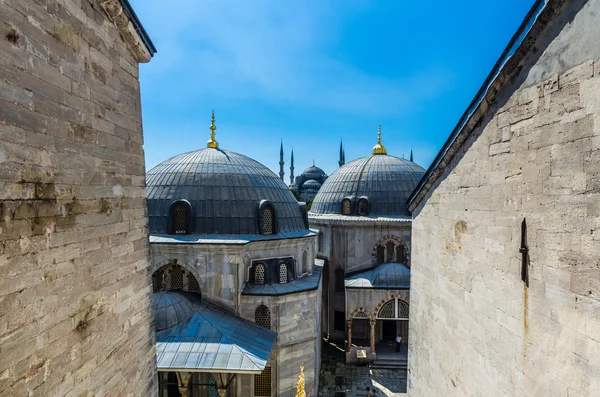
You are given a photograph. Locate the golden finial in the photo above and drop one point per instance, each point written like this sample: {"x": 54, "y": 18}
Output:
{"x": 211, "y": 142}
{"x": 379, "y": 148}
{"x": 300, "y": 388}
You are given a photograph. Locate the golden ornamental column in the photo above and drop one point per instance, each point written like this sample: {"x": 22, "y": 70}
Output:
{"x": 349, "y": 328}
{"x": 373, "y": 322}
{"x": 300, "y": 387}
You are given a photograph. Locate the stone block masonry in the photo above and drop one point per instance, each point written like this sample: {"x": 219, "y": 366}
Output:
{"x": 476, "y": 328}
{"x": 75, "y": 296}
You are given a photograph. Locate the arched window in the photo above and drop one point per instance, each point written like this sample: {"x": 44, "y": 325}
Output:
{"x": 395, "y": 309}
{"x": 176, "y": 277}
{"x": 380, "y": 254}
{"x": 388, "y": 310}
{"x": 400, "y": 254}
{"x": 304, "y": 262}
{"x": 262, "y": 317}
{"x": 339, "y": 280}
{"x": 262, "y": 383}
{"x": 283, "y": 273}
{"x": 180, "y": 218}
{"x": 389, "y": 251}
{"x": 320, "y": 242}
{"x": 259, "y": 274}
{"x": 193, "y": 285}
{"x": 268, "y": 220}
{"x": 159, "y": 281}
{"x": 363, "y": 207}
{"x": 346, "y": 207}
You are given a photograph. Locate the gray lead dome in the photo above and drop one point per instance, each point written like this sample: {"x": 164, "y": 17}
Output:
{"x": 224, "y": 190}
{"x": 386, "y": 181}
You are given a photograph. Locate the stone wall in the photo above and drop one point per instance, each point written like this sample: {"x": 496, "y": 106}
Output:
{"x": 75, "y": 297}
{"x": 476, "y": 329}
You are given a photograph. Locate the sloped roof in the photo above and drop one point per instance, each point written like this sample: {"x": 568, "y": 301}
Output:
{"x": 302, "y": 284}
{"x": 386, "y": 276}
{"x": 509, "y": 64}
{"x": 213, "y": 340}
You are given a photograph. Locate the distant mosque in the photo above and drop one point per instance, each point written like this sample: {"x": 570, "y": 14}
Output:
{"x": 306, "y": 185}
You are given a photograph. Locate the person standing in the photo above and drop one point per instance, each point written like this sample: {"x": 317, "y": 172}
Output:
{"x": 398, "y": 343}
{"x": 369, "y": 392}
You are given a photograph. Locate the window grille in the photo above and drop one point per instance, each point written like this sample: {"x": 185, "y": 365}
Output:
{"x": 158, "y": 281}
{"x": 380, "y": 254}
{"x": 305, "y": 262}
{"x": 262, "y": 317}
{"x": 176, "y": 277}
{"x": 361, "y": 315}
{"x": 259, "y": 274}
{"x": 402, "y": 309}
{"x": 400, "y": 254}
{"x": 180, "y": 219}
{"x": 193, "y": 285}
{"x": 388, "y": 310}
{"x": 389, "y": 248}
{"x": 320, "y": 242}
{"x": 360, "y": 328}
{"x": 283, "y": 274}
{"x": 339, "y": 280}
{"x": 212, "y": 387}
{"x": 267, "y": 220}
{"x": 363, "y": 207}
{"x": 346, "y": 207}
{"x": 262, "y": 383}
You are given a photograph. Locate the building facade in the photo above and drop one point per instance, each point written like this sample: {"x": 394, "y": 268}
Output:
{"x": 364, "y": 233}
{"x": 505, "y": 240}
{"x": 75, "y": 296}
{"x": 229, "y": 238}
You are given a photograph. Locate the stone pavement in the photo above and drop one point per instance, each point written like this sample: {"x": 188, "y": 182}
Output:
{"x": 340, "y": 380}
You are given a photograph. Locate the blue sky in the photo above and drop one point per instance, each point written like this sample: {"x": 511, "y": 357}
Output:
{"x": 313, "y": 72}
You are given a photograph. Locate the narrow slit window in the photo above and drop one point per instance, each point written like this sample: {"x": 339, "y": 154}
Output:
{"x": 180, "y": 215}
{"x": 283, "y": 273}
{"x": 389, "y": 248}
{"x": 346, "y": 207}
{"x": 268, "y": 220}
{"x": 400, "y": 254}
{"x": 363, "y": 207}
{"x": 259, "y": 274}
{"x": 305, "y": 262}
{"x": 380, "y": 254}
{"x": 262, "y": 383}
{"x": 193, "y": 285}
{"x": 176, "y": 277}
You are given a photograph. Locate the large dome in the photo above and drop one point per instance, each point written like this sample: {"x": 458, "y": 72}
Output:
{"x": 224, "y": 191}
{"x": 314, "y": 172}
{"x": 385, "y": 181}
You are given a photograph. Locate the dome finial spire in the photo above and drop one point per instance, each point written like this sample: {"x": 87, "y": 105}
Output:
{"x": 211, "y": 142}
{"x": 379, "y": 148}
{"x": 313, "y": 162}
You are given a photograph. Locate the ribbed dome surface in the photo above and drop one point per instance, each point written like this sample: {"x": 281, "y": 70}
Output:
{"x": 224, "y": 189}
{"x": 314, "y": 172}
{"x": 391, "y": 275}
{"x": 386, "y": 181}
{"x": 170, "y": 309}
{"x": 311, "y": 183}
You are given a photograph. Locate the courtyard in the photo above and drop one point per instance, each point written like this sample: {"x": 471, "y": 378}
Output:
{"x": 341, "y": 380}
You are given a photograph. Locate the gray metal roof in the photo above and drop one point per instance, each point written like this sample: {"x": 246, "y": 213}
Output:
{"x": 386, "y": 276}
{"x": 213, "y": 340}
{"x": 306, "y": 283}
{"x": 170, "y": 310}
{"x": 225, "y": 238}
{"x": 386, "y": 181}
{"x": 224, "y": 189}
{"x": 314, "y": 172}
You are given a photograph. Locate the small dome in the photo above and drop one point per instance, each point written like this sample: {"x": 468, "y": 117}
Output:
{"x": 311, "y": 183}
{"x": 386, "y": 181}
{"x": 391, "y": 275}
{"x": 224, "y": 190}
{"x": 170, "y": 309}
{"x": 314, "y": 172}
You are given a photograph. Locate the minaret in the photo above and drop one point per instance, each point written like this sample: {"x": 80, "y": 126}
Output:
{"x": 292, "y": 169}
{"x": 211, "y": 142}
{"x": 281, "y": 162}
{"x": 411, "y": 156}
{"x": 341, "y": 162}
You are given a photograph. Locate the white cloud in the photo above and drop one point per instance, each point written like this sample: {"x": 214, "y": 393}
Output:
{"x": 276, "y": 51}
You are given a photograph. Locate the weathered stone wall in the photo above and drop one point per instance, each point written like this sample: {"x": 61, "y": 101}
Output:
{"x": 475, "y": 328}
{"x": 75, "y": 298}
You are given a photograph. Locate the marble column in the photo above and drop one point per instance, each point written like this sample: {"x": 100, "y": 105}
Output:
{"x": 373, "y": 322}
{"x": 349, "y": 330}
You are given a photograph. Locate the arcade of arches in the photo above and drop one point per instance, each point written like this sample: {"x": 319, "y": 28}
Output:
{"x": 387, "y": 321}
